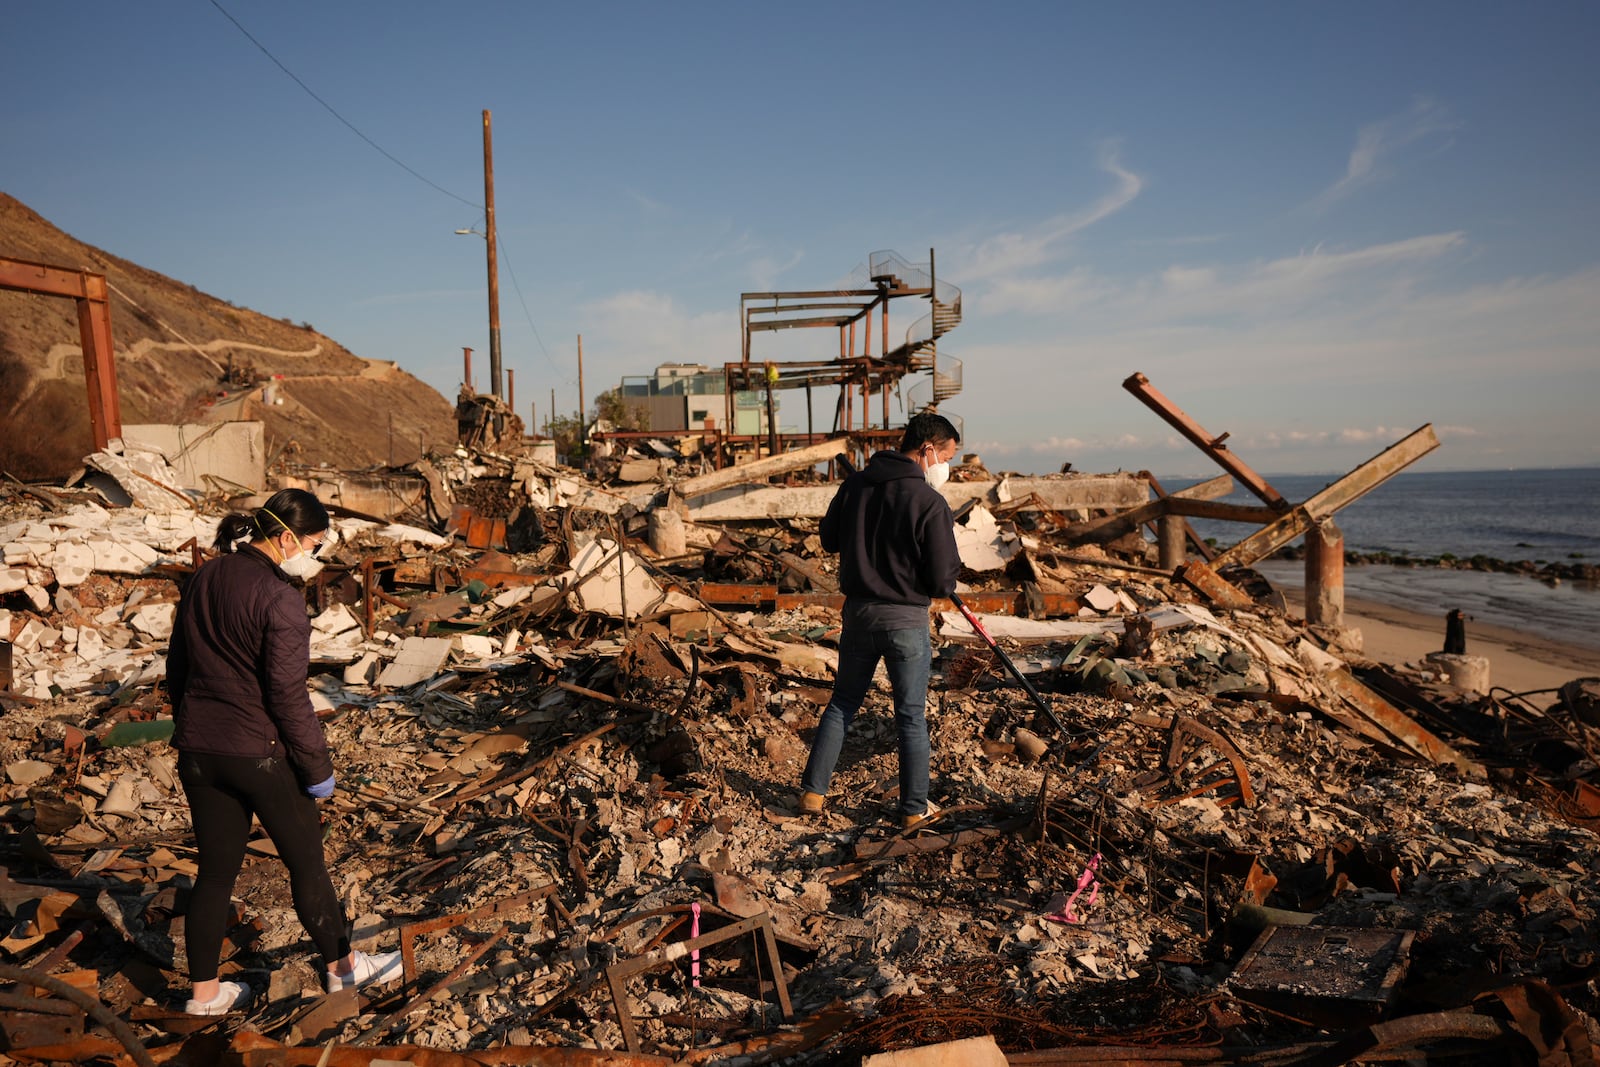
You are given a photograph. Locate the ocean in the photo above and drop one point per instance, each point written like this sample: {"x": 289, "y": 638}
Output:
{"x": 1546, "y": 516}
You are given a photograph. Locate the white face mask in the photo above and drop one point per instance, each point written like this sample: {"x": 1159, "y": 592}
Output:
{"x": 303, "y": 566}
{"x": 937, "y": 474}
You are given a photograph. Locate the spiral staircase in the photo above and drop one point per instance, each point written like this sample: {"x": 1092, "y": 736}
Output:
{"x": 919, "y": 353}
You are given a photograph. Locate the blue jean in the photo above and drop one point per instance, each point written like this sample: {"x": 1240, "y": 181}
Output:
{"x": 908, "y": 657}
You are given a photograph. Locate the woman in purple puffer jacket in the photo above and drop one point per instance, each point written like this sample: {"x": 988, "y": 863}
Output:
{"x": 249, "y": 742}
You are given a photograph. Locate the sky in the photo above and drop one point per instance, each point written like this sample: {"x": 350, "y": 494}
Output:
{"x": 1313, "y": 226}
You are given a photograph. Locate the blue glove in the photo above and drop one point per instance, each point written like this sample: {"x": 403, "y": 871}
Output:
{"x": 322, "y": 790}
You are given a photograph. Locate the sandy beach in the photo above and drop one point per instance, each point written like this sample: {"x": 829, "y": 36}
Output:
{"x": 1519, "y": 662}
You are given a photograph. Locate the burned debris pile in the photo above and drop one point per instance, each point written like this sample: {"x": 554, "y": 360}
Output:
{"x": 569, "y": 715}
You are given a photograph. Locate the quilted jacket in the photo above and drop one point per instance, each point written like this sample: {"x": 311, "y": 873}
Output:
{"x": 237, "y": 666}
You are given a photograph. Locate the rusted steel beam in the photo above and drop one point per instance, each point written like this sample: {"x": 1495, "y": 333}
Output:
{"x": 1215, "y": 509}
{"x": 1352, "y": 487}
{"x": 1211, "y": 445}
{"x": 99, "y": 361}
{"x": 1205, "y": 581}
{"x": 1127, "y": 521}
{"x": 411, "y": 931}
{"x": 1324, "y": 596}
{"x": 1200, "y": 546}
{"x": 1396, "y": 723}
{"x": 94, "y": 332}
{"x": 46, "y": 280}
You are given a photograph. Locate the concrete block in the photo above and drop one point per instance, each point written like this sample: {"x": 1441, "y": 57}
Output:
{"x": 1101, "y": 599}
{"x": 666, "y": 533}
{"x": 969, "y": 1052}
{"x": 231, "y": 450}
{"x": 419, "y": 659}
{"x": 362, "y": 670}
{"x": 478, "y": 646}
{"x": 25, "y": 772}
{"x": 37, "y": 597}
{"x": 336, "y": 620}
{"x": 1470, "y": 674}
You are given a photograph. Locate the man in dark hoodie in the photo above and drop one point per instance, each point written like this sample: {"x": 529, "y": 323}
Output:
{"x": 897, "y": 550}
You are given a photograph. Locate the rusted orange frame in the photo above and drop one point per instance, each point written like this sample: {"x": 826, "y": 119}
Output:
{"x": 94, "y": 330}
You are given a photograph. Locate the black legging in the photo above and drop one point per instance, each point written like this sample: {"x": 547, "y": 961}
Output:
{"x": 224, "y": 792}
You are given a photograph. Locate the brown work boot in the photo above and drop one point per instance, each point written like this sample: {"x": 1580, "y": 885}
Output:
{"x": 809, "y": 803}
{"x": 911, "y": 822}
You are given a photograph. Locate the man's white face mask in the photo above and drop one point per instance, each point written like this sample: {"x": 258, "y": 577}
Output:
{"x": 938, "y": 474}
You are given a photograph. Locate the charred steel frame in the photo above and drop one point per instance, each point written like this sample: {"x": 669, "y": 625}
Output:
{"x": 89, "y": 291}
{"x": 853, "y": 372}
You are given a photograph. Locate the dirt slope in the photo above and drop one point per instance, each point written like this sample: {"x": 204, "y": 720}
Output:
{"x": 184, "y": 356}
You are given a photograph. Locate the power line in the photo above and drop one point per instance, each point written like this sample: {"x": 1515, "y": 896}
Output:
{"x": 330, "y": 109}
{"x": 525, "y": 312}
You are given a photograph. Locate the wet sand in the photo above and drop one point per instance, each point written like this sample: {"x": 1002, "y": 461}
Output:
{"x": 1518, "y": 661}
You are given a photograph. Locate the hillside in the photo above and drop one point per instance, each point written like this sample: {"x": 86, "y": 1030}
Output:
{"x": 184, "y": 356}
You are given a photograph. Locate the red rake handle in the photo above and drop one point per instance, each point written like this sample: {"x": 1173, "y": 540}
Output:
{"x": 1038, "y": 701}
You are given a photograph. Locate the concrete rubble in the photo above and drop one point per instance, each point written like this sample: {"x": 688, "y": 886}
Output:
{"x": 567, "y": 762}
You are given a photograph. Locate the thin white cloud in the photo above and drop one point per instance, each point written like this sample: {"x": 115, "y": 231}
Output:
{"x": 631, "y": 332}
{"x": 1262, "y": 290}
{"x": 1008, "y": 253}
{"x": 764, "y": 271}
{"x": 1378, "y": 143}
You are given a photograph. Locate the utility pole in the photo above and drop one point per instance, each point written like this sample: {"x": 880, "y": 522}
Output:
{"x": 580, "y": 387}
{"x": 549, "y": 421}
{"x": 494, "y": 271}
{"x": 511, "y": 390}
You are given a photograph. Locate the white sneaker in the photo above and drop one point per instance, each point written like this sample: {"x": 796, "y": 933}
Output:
{"x": 379, "y": 968}
{"x": 230, "y": 997}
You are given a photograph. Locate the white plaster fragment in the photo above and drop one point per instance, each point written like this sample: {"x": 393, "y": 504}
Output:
{"x": 155, "y": 620}
{"x": 73, "y": 563}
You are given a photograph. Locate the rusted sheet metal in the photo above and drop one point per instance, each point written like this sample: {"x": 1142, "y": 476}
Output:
{"x": 618, "y": 973}
{"x": 1365, "y": 478}
{"x": 1211, "y": 445}
{"x": 1331, "y": 974}
{"x": 1209, "y": 584}
{"x": 479, "y": 531}
{"x": 1396, "y": 723}
{"x": 1586, "y": 798}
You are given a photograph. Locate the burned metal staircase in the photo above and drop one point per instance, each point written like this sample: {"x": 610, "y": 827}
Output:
{"x": 920, "y": 350}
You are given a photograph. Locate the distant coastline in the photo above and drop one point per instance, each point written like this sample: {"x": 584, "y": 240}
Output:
{"x": 1540, "y": 569}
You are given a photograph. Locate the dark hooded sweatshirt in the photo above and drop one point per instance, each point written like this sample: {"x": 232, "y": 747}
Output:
{"x": 237, "y": 667}
{"x": 896, "y": 543}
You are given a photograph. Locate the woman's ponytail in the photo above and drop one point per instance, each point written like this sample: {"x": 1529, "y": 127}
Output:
{"x": 234, "y": 530}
